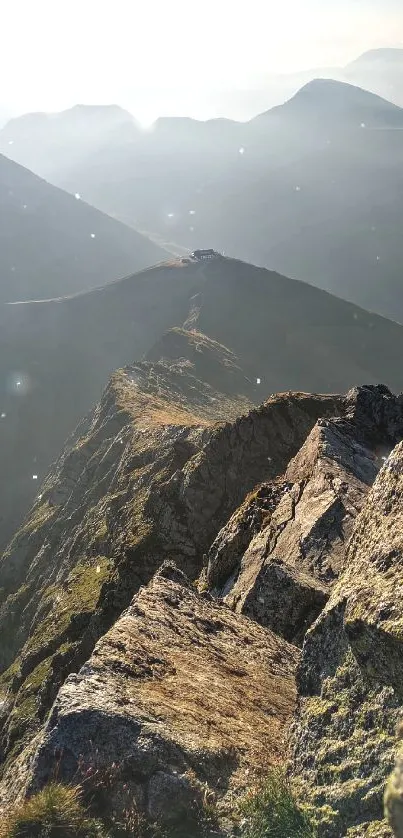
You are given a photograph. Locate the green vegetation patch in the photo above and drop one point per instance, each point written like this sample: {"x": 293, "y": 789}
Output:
{"x": 23, "y": 717}
{"x": 63, "y": 613}
{"x": 39, "y": 516}
{"x": 78, "y": 594}
{"x": 6, "y": 679}
{"x": 273, "y": 812}
{"x": 375, "y": 829}
{"x": 350, "y": 732}
{"x": 55, "y": 812}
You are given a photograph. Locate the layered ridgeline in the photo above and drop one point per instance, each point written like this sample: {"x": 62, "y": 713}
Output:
{"x": 379, "y": 70}
{"x": 311, "y": 188}
{"x": 155, "y": 600}
{"x": 53, "y": 243}
{"x": 56, "y": 356}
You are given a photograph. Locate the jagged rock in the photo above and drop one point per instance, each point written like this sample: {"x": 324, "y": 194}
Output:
{"x": 239, "y": 456}
{"x": 279, "y": 555}
{"x": 170, "y": 797}
{"x": 152, "y": 474}
{"x": 283, "y": 597}
{"x": 350, "y": 679}
{"x": 225, "y": 554}
{"x": 376, "y": 414}
{"x": 182, "y": 695}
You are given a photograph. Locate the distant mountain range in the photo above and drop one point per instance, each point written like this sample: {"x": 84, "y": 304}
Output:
{"x": 53, "y": 243}
{"x": 312, "y": 188}
{"x": 46, "y": 142}
{"x": 55, "y": 356}
{"x": 379, "y": 71}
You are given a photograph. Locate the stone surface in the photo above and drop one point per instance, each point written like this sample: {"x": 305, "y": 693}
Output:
{"x": 91, "y": 540}
{"x": 350, "y": 678}
{"x": 283, "y": 597}
{"x": 181, "y": 694}
{"x": 280, "y": 553}
{"x": 151, "y": 474}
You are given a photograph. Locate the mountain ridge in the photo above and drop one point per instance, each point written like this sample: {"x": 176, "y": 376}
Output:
{"x": 341, "y": 95}
{"x": 310, "y": 188}
{"x": 99, "y": 618}
{"x": 285, "y": 334}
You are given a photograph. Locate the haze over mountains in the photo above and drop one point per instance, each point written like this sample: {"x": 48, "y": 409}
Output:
{"x": 201, "y": 538}
{"x": 53, "y": 243}
{"x": 311, "y": 188}
{"x": 55, "y": 356}
{"x": 378, "y": 70}
{"x": 45, "y": 138}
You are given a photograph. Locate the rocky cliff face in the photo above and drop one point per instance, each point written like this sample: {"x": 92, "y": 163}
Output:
{"x": 270, "y": 538}
{"x": 186, "y": 698}
{"x": 75, "y": 563}
{"x": 152, "y": 474}
{"x": 350, "y": 675}
{"x": 279, "y": 555}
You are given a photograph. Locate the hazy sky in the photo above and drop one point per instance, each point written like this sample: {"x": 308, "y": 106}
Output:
{"x": 170, "y": 55}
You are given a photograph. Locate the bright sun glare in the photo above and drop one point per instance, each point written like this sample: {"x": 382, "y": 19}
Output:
{"x": 167, "y": 58}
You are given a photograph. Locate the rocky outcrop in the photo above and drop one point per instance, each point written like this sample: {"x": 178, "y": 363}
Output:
{"x": 186, "y": 698}
{"x": 279, "y": 555}
{"x": 350, "y": 678}
{"x": 90, "y": 541}
{"x": 184, "y": 690}
{"x": 152, "y": 474}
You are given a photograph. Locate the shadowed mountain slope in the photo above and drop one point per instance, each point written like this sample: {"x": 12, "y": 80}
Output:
{"x": 311, "y": 188}
{"x": 56, "y": 356}
{"x": 53, "y": 244}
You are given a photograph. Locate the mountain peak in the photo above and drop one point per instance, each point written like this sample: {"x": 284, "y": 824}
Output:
{"x": 104, "y": 112}
{"x": 331, "y": 93}
{"x": 346, "y": 104}
{"x": 384, "y": 54}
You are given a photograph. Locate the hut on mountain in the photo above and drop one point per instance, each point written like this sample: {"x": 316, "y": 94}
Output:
{"x": 200, "y": 255}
